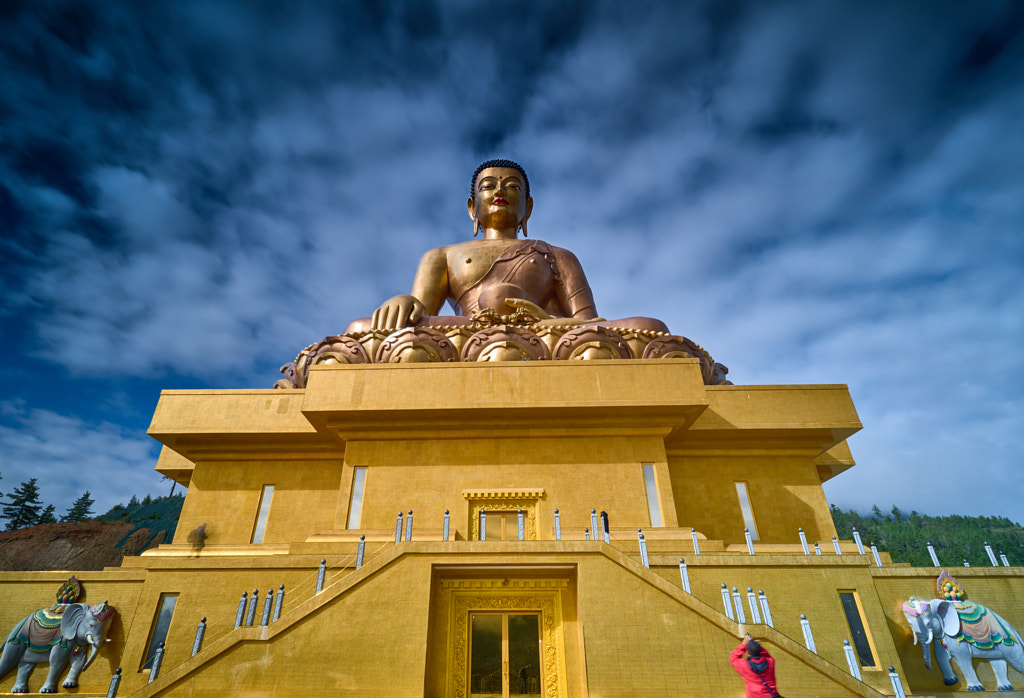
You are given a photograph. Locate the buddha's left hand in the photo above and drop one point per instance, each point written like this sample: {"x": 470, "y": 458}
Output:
{"x": 546, "y": 320}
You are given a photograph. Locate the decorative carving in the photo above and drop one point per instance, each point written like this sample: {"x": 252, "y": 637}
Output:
{"x": 507, "y": 596}
{"x": 505, "y": 343}
{"x": 338, "y": 349}
{"x": 504, "y": 500}
{"x": 55, "y": 635}
{"x": 675, "y": 347}
{"x": 458, "y": 335}
{"x": 487, "y": 317}
{"x": 591, "y": 342}
{"x": 504, "y": 494}
{"x": 416, "y": 345}
{"x": 963, "y": 630}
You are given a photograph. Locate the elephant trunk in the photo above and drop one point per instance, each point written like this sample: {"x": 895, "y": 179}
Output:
{"x": 927, "y": 647}
{"x": 94, "y": 648}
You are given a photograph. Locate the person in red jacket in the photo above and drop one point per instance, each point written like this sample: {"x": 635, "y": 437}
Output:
{"x": 757, "y": 670}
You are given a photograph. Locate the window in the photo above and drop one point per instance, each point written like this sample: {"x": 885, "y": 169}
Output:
{"x": 653, "y": 502}
{"x": 261, "y": 518}
{"x": 748, "y": 513}
{"x": 861, "y": 639}
{"x": 355, "y": 507}
{"x": 504, "y": 525}
{"x": 165, "y": 610}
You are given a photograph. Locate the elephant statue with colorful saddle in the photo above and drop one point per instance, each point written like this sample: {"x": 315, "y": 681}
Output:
{"x": 965, "y": 630}
{"x": 59, "y": 635}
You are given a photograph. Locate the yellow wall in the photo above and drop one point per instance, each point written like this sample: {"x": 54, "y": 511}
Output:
{"x": 784, "y": 490}
{"x": 226, "y": 496}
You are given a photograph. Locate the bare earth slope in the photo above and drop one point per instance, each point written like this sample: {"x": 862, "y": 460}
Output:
{"x": 88, "y": 545}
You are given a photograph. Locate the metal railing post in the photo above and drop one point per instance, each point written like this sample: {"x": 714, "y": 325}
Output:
{"x": 857, "y": 540}
{"x": 685, "y": 575}
{"x": 727, "y": 602}
{"x": 805, "y": 625}
{"x": 250, "y": 615}
{"x": 158, "y": 659}
{"x": 268, "y": 604}
{"x": 115, "y": 682}
{"x": 851, "y": 660}
{"x": 765, "y": 609}
{"x": 741, "y": 617}
{"x": 241, "y": 608}
{"x": 755, "y": 614}
{"x": 279, "y": 603}
{"x": 197, "y": 644}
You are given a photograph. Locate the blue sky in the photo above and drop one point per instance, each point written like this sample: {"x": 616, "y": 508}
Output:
{"x": 191, "y": 192}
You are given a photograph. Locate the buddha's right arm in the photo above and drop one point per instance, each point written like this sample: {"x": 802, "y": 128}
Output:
{"x": 429, "y": 291}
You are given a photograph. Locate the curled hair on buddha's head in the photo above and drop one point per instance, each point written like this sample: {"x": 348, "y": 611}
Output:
{"x": 499, "y": 163}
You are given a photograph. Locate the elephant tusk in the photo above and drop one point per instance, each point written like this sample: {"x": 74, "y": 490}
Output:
{"x": 88, "y": 638}
{"x": 931, "y": 636}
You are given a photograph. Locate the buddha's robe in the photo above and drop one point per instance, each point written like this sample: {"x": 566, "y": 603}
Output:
{"x": 548, "y": 276}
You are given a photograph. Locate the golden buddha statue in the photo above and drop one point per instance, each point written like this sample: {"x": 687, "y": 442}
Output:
{"x": 515, "y": 299}
{"x": 499, "y": 272}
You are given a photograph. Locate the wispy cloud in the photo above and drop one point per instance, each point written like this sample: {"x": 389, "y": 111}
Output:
{"x": 816, "y": 193}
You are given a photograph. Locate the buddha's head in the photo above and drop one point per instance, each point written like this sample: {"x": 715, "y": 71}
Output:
{"x": 499, "y": 196}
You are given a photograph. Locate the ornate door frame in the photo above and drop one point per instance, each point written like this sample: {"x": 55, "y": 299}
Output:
{"x": 504, "y": 500}
{"x": 506, "y": 595}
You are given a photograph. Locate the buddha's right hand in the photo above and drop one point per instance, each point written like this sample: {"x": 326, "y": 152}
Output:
{"x": 398, "y": 312}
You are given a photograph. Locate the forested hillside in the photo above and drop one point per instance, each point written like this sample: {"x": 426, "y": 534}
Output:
{"x": 955, "y": 538}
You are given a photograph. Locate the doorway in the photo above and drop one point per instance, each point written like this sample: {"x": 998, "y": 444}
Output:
{"x": 505, "y": 651}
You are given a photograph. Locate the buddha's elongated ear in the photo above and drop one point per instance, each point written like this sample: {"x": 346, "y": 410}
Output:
{"x": 471, "y": 208}
{"x": 529, "y": 210}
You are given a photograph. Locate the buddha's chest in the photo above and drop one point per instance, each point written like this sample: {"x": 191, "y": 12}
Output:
{"x": 468, "y": 265}
{"x": 529, "y": 270}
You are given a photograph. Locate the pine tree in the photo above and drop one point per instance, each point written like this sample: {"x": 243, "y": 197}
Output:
{"x": 80, "y": 510}
{"x": 134, "y": 501}
{"x": 147, "y": 500}
{"x": 23, "y": 509}
{"x": 47, "y": 517}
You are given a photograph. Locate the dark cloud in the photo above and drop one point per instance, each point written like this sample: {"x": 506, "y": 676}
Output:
{"x": 192, "y": 191}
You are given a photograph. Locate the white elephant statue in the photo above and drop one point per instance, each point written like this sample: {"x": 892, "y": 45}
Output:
{"x": 965, "y": 630}
{"x": 52, "y": 635}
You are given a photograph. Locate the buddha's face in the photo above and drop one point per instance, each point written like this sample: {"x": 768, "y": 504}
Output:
{"x": 501, "y": 200}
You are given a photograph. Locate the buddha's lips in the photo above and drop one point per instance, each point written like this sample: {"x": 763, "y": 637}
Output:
{"x": 500, "y": 200}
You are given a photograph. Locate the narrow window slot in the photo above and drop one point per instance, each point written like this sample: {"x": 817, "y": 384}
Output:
{"x": 746, "y": 509}
{"x": 355, "y": 507}
{"x": 858, "y": 629}
{"x": 162, "y": 623}
{"x": 653, "y": 501}
{"x": 264, "y": 514}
